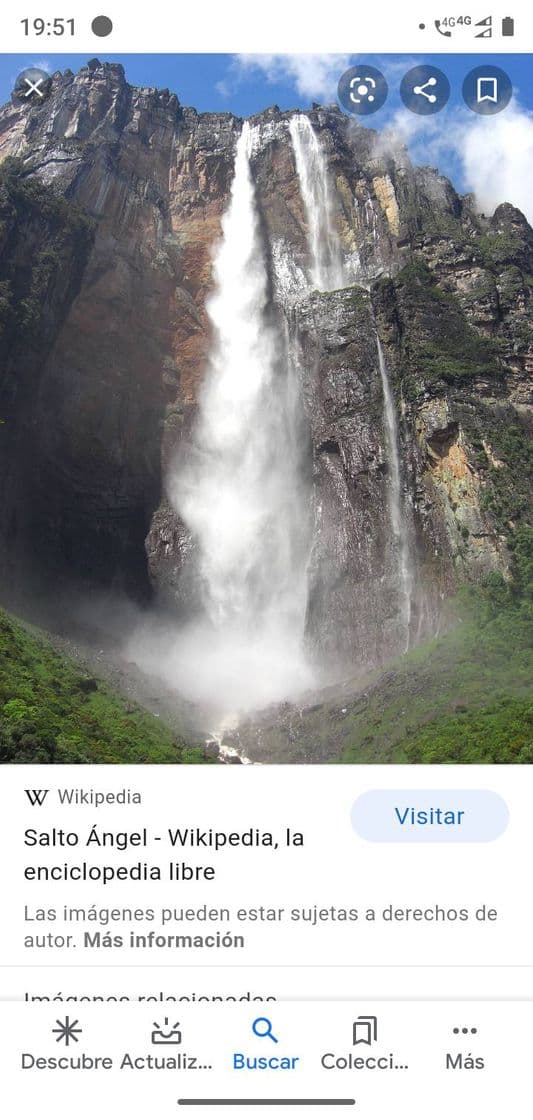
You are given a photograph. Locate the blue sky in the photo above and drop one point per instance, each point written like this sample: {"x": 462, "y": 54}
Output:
{"x": 246, "y": 84}
{"x": 220, "y": 82}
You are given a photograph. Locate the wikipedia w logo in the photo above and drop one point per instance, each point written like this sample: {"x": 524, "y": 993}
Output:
{"x": 36, "y": 796}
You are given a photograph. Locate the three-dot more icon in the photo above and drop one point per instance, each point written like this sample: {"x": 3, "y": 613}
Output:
{"x": 32, "y": 86}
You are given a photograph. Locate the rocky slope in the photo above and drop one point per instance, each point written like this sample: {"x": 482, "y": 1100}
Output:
{"x": 100, "y": 396}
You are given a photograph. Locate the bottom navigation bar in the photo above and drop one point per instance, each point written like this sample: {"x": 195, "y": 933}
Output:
{"x": 412, "y": 1058}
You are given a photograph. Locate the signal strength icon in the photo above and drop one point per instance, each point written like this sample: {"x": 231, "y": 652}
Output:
{"x": 486, "y": 24}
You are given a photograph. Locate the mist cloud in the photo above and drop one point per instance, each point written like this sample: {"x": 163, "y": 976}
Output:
{"x": 494, "y": 155}
{"x": 497, "y": 155}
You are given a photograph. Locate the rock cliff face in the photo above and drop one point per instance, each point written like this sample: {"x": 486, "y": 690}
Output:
{"x": 100, "y": 398}
{"x": 88, "y": 413}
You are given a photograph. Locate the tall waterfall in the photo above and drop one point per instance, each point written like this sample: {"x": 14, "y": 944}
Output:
{"x": 242, "y": 490}
{"x": 327, "y": 273}
{"x": 397, "y": 514}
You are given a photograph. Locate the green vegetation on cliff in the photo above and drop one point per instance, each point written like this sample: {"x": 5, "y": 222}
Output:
{"x": 438, "y": 343}
{"x": 51, "y": 712}
{"x": 508, "y": 494}
{"x": 464, "y": 697}
{"x": 44, "y": 240}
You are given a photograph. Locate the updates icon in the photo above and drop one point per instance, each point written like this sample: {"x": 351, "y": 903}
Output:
{"x": 166, "y": 1035}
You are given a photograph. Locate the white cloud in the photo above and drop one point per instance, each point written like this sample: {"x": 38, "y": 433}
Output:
{"x": 313, "y": 75}
{"x": 495, "y": 154}
{"x": 428, "y": 141}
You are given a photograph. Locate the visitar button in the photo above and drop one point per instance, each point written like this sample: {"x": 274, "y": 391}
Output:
{"x": 427, "y": 816}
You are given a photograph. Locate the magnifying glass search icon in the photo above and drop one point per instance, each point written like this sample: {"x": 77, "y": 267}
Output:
{"x": 263, "y": 1029}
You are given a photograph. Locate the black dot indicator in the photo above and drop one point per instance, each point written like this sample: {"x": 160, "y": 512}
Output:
{"x": 102, "y": 26}
{"x": 422, "y": 26}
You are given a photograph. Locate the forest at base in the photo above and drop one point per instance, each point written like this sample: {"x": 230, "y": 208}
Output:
{"x": 51, "y": 711}
{"x": 463, "y": 697}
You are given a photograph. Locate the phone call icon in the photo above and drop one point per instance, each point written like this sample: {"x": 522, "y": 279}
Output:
{"x": 438, "y": 25}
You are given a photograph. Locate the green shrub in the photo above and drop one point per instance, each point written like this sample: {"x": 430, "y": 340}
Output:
{"x": 50, "y": 713}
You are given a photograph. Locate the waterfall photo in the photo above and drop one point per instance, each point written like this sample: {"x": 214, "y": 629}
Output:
{"x": 266, "y": 350}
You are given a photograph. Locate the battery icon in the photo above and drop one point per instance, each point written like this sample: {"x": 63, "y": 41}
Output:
{"x": 507, "y": 26}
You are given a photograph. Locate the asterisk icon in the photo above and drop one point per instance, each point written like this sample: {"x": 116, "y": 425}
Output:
{"x": 67, "y": 1032}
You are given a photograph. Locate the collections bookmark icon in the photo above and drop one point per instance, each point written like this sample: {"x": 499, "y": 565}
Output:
{"x": 365, "y": 1030}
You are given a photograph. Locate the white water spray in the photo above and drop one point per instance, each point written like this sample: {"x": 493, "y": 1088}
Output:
{"x": 241, "y": 490}
{"x": 397, "y": 515}
{"x": 327, "y": 272}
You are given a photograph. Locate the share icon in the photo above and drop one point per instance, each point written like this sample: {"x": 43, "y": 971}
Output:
{"x": 425, "y": 90}
{"x": 421, "y": 91}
